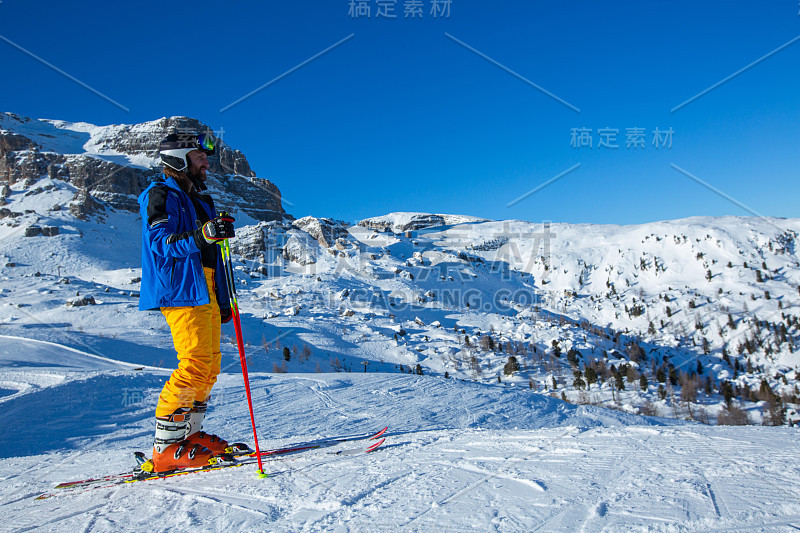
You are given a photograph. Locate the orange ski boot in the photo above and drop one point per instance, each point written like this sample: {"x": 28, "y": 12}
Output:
{"x": 217, "y": 445}
{"x": 171, "y": 450}
{"x": 211, "y": 442}
{"x": 180, "y": 455}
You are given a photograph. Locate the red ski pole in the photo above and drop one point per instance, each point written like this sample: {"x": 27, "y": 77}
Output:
{"x": 237, "y": 324}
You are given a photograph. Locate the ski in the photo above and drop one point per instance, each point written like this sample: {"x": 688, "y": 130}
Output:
{"x": 321, "y": 443}
{"x": 222, "y": 462}
{"x": 145, "y": 476}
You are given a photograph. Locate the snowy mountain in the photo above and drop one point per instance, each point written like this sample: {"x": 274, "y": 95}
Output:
{"x": 702, "y": 304}
{"x": 686, "y": 319}
{"x": 114, "y": 164}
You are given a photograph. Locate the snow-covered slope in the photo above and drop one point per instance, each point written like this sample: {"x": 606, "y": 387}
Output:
{"x": 459, "y": 456}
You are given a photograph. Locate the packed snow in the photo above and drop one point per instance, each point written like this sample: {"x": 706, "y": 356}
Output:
{"x": 459, "y": 456}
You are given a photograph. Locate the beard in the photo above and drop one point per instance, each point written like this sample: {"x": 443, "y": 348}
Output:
{"x": 195, "y": 174}
{"x": 197, "y": 177}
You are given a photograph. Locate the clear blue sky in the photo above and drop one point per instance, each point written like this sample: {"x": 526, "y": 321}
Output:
{"x": 401, "y": 117}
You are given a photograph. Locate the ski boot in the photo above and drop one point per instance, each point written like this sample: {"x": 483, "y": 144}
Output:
{"x": 181, "y": 455}
{"x": 217, "y": 445}
{"x": 171, "y": 449}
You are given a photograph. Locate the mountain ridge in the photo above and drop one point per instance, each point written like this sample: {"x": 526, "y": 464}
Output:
{"x": 113, "y": 164}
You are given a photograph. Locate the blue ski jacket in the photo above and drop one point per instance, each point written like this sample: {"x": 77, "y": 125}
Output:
{"x": 172, "y": 269}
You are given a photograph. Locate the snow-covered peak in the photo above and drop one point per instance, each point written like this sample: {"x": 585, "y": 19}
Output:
{"x": 412, "y": 221}
{"x": 115, "y": 163}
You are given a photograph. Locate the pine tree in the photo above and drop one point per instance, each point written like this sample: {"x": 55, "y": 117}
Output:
{"x": 556, "y": 349}
{"x": 765, "y": 391}
{"x": 591, "y": 376}
{"x": 511, "y": 366}
{"x": 726, "y": 390}
{"x": 725, "y": 356}
{"x": 620, "y": 382}
{"x": 418, "y": 370}
{"x": 287, "y": 355}
{"x": 643, "y": 382}
{"x": 572, "y": 357}
{"x": 662, "y": 392}
{"x": 673, "y": 377}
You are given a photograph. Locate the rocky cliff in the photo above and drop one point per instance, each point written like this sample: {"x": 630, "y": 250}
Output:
{"x": 111, "y": 165}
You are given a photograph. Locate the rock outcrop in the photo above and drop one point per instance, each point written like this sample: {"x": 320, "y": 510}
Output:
{"x": 113, "y": 164}
{"x": 325, "y": 230}
{"x": 84, "y": 206}
{"x": 401, "y": 222}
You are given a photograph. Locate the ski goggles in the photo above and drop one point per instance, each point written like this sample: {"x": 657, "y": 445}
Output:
{"x": 206, "y": 143}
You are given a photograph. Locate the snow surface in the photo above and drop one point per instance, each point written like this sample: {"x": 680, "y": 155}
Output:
{"x": 459, "y": 456}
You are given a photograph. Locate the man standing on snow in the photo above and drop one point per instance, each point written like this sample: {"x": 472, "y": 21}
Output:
{"x": 183, "y": 277}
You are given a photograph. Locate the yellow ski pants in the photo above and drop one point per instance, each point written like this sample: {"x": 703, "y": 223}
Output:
{"x": 196, "y": 334}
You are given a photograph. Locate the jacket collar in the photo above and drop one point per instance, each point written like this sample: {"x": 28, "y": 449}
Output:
{"x": 170, "y": 182}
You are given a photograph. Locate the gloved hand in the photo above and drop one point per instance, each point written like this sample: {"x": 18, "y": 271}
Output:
{"x": 226, "y": 314}
{"x": 215, "y": 230}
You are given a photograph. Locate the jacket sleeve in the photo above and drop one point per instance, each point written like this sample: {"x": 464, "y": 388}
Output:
{"x": 163, "y": 216}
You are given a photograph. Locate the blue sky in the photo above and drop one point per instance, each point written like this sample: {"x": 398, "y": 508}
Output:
{"x": 405, "y": 115}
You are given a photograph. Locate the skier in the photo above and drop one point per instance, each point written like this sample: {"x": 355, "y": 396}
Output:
{"x": 183, "y": 276}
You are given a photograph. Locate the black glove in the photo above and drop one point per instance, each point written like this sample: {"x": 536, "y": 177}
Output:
{"x": 226, "y": 314}
{"x": 215, "y": 230}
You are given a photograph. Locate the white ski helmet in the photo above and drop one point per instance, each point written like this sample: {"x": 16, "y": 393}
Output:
{"x": 175, "y": 148}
